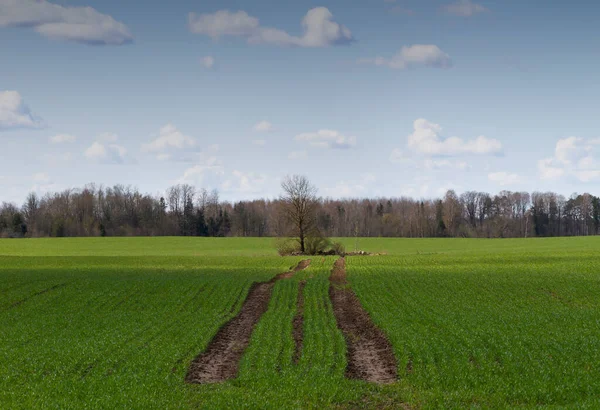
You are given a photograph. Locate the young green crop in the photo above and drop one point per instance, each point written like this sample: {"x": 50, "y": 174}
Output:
{"x": 115, "y": 323}
{"x": 502, "y": 329}
{"x": 269, "y": 378}
{"x": 114, "y": 332}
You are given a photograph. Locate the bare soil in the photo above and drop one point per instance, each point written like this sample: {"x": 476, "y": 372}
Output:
{"x": 298, "y": 323}
{"x": 221, "y": 359}
{"x": 370, "y": 355}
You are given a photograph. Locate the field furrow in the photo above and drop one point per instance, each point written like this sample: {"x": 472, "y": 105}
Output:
{"x": 472, "y": 324}
{"x": 370, "y": 355}
{"x": 221, "y": 359}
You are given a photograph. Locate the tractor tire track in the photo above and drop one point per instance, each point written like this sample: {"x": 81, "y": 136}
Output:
{"x": 370, "y": 356}
{"x": 221, "y": 359}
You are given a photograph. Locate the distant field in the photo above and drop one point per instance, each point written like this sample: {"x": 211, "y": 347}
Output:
{"x": 116, "y": 322}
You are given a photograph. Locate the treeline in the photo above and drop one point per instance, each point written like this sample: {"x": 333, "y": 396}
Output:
{"x": 186, "y": 211}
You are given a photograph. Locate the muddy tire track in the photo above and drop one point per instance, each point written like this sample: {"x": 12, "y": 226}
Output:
{"x": 220, "y": 360}
{"x": 298, "y": 323}
{"x": 370, "y": 355}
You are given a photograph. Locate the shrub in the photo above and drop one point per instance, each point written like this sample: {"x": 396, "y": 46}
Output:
{"x": 286, "y": 246}
{"x": 315, "y": 244}
{"x": 338, "y": 248}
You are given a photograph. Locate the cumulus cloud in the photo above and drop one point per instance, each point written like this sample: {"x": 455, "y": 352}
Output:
{"x": 260, "y": 142}
{"x": 263, "y": 126}
{"x": 504, "y": 178}
{"x": 445, "y": 164}
{"x": 208, "y": 61}
{"x": 169, "y": 141}
{"x": 103, "y": 152}
{"x": 204, "y": 172}
{"x": 210, "y": 173}
{"x": 111, "y": 153}
{"x": 62, "y": 138}
{"x": 426, "y": 139}
{"x": 418, "y": 55}
{"x": 245, "y": 183}
{"x": 78, "y": 24}
{"x": 327, "y": 139}
{"x": 42, "y": 183}
{"x": 345, "y": 189}
{"x": 464, "y": 8}
{"x": 573, "y": 156}
{"x": 14, "y": 113}
{"x": 320, "y": 30}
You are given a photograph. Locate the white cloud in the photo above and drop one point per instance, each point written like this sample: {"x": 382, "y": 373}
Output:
{"x": 418, "y": 55}
{"x": 399, "y": 156}
{"x": 297, "y": 155}
{"x": 208, "y": 61}
{"x": 327, "y": 139}
{"x": 587, "y": 175}
{"x": 169, "y": 140}
{"x": 208, "y": 170}
{"x": 414, "y": 190}
{"x": 260, "y": 142}
{"x": 263, "y": 126}
{"x": 78, "y": 24}
{"x": 345, "y": 189}
{"x": 62, "y": 138}
{"x": 244, "y": 183}
{"x": 573, "y": 156}
{"x": 319, "y": 29}
{"x": 445, "y": 164}
{"x": 14, "y": 113}
{"x": 42, "y": 184}
{"x": 104, "y": 150}
{"x": 504, "y": 178}
{"x": 441, "y": 191}
{"x": 464, "y": 8}
{"x": 426, "y": 140}
{"x": 548, "y": 170}
{"x": 111, "y": 153}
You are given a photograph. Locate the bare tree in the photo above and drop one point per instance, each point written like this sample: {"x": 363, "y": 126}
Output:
{"x": 299, "y": 201}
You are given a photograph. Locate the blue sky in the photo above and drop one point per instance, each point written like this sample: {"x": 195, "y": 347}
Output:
{"x": 368, "y": 99}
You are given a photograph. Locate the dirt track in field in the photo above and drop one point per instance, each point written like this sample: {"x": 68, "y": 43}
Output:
{"x": 298, "y": 323}
{"x": 221, "y": 359}
{"x": 370, "y": 355}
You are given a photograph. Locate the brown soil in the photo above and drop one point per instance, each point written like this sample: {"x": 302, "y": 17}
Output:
{"x": 298, "y": 322}
{"x": 221, "y": 359}
{"x": 301, "y": 266}
{"x": 370, "y": 356}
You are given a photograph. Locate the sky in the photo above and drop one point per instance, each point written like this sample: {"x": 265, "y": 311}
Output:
{"x": 366, "y": 98}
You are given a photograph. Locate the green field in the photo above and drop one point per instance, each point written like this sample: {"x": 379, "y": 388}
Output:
{"x": 115, "y": 322}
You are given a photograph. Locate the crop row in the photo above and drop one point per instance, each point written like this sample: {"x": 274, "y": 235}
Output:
{"x": 476, "y": 332}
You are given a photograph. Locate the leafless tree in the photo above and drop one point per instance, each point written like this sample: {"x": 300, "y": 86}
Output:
{"x": 189, "y": 210}
{"x": 299, "y": 201}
